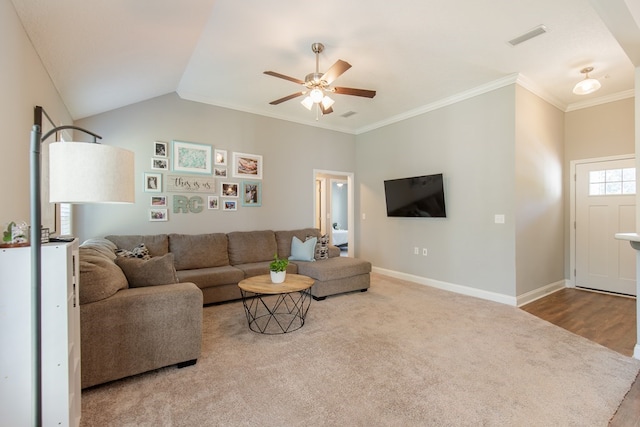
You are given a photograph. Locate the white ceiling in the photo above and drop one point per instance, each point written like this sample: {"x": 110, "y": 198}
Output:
{"x": 105, "y": 54}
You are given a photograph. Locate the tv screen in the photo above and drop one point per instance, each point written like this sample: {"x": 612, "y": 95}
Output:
{"x": 419, "y": 196}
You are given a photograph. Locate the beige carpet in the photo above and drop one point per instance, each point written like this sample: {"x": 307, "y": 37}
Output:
{"x": 399, "y": 355}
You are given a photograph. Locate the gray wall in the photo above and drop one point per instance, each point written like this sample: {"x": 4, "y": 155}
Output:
{"x": 538, "y": 197}
{"x": 472, "y": 144}
{"x": 24, "y": 84}
{"x": 290, "y": 153}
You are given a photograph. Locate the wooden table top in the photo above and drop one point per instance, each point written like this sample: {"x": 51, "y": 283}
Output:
{"x": 262, "y": 284}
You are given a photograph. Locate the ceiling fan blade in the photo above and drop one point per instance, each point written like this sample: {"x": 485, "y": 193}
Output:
{"x": 355, "y": 92}
{"x": 286, "y": 98}
{"x": 325, "y": 110}
{"x": 336, "y": 71}
{"x": 282, "y": 76}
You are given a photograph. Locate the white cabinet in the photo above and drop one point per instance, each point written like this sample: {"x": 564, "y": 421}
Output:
{"x": 60, "y": 336}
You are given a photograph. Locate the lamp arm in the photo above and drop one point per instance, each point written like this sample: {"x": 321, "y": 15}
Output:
{"x": 54, "y": 130}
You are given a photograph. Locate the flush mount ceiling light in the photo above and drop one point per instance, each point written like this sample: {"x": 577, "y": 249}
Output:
{"x": 588, "y": 85}
{"x": 317, "y": 84}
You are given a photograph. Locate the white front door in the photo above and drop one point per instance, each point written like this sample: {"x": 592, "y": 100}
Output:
{"x": 605, "y": 205}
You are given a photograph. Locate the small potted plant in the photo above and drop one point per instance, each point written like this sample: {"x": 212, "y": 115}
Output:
{"x": 278, "y": 269}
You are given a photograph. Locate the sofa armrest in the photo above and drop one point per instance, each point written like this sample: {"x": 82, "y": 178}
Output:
{"x": 140, "y": 329}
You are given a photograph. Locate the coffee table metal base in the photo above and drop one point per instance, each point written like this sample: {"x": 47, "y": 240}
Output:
{"x": 276, "y": 314}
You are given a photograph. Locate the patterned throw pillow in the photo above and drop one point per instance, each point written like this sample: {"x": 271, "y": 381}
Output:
{"x": 141, "y": 251}
{"x": 322, "y": 248}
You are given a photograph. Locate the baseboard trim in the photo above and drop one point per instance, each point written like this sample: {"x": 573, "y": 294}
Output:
{"x": 542, "y": 292}
{"x": 459, "y": 289}
{"x": 636, "y": 351}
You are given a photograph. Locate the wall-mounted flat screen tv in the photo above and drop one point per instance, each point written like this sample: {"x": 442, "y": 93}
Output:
{"x": 419, "y": 196}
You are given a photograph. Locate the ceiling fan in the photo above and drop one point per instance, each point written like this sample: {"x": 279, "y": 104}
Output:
{"x": 316, "y": 85}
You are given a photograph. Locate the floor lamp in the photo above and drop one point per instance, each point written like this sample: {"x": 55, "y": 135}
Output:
{"x": 79, "y": 172}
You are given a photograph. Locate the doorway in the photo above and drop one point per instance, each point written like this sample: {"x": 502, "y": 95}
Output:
{"x": 334, "y": 208}
{"x": 603, "y": 203}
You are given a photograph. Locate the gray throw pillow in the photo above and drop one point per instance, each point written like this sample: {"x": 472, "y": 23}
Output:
{"x": 154, "y": 271}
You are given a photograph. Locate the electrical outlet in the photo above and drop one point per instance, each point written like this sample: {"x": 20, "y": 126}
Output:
{"x": 424, "y": 251}
{"x": 416, "y": 251}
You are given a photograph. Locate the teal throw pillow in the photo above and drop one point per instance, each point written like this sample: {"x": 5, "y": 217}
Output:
{"x": 303, "y": 251}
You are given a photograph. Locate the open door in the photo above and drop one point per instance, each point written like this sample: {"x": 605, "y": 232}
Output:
{"x": 334, "y": 204}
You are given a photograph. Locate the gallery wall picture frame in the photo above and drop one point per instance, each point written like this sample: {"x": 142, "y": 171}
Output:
{"x": 212, "y": 202}
{"x": 191, "y": 157}
{"x": 229, "y": 205}
{"x": 157, "y": 201}
{"x": 160, "y": 149}
{"x": 158, "y": 215}
{"x": 220, "y": 172}
{"x": 247, "y": 166}
{"x": 251, "y": 193}
{"x": 159, "y": 164}
{"x": 229, "y": 189}
{"x": 220, "y": 157}
{"x": 152, "y": 182}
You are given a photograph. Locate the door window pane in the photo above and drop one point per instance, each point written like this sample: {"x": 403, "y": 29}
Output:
{"x": 612, "y": 182}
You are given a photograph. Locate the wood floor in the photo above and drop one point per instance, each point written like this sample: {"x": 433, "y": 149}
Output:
{"x": 606, "y": 319}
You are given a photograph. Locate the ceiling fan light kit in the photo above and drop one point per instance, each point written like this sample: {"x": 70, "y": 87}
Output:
{"x": 588, "y": 85}
{"x": 317, "y": 84}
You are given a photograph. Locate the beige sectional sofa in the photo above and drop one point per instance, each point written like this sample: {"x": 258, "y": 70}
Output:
{"x": 139, "y": 314}
{"x": 216, "y": 262}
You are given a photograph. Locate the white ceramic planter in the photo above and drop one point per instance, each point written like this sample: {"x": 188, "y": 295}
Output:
{"x": 278, "y": 276}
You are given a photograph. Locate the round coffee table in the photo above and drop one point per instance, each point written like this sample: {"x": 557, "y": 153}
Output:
{"x": 276, "y": 308}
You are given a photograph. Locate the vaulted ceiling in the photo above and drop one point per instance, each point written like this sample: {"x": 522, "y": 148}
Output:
{"x": 417, "y": 54}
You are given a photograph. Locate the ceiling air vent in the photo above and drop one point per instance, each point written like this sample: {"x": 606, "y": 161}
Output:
{"x": 537, "y": 31}
{"x": 348, "y": 114}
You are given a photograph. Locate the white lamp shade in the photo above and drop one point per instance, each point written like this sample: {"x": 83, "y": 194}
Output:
{"x": 307, "y": 102}
{"x": 316, "y": 95}
{"x": 85, "y": 172}
{"x": 327, "y": 102}
{"x": 586, "y": 86}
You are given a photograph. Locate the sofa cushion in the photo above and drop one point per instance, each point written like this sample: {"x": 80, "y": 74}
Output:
{"x": 193, "y": 251}
{"x": 154, "y": 271}
{"x": 303, "y": 251}
{"x": 284, "y": 238}
{"x": 100, "y": 277}
{"x": 158, "y": 244}
{"x": 334, "y": 268}
{"x": 212, "y": 276}
{"x": 251, "y": 246}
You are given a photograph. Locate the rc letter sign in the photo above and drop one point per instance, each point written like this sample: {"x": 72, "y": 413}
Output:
{"x": 190, "y": 184}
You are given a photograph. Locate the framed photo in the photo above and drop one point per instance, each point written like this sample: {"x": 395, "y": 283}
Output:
{"x": 220, "y": 172}
{"x": 251, "y": 193}
{"x": 191, "y": 157}
{"x": 247, "y": 165}
{"x": 153, "y": 182}
{"x": 220, "y": 157}
{"x": 229, "y": 189}
{"x": 157, "y": 215}
{"x": 158, "y": 200}
{"x": 160, "y": 149}
{"x": 160, "y": 164}
{"x": 212, "y": 202}
{"x": 229, "y": 205}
